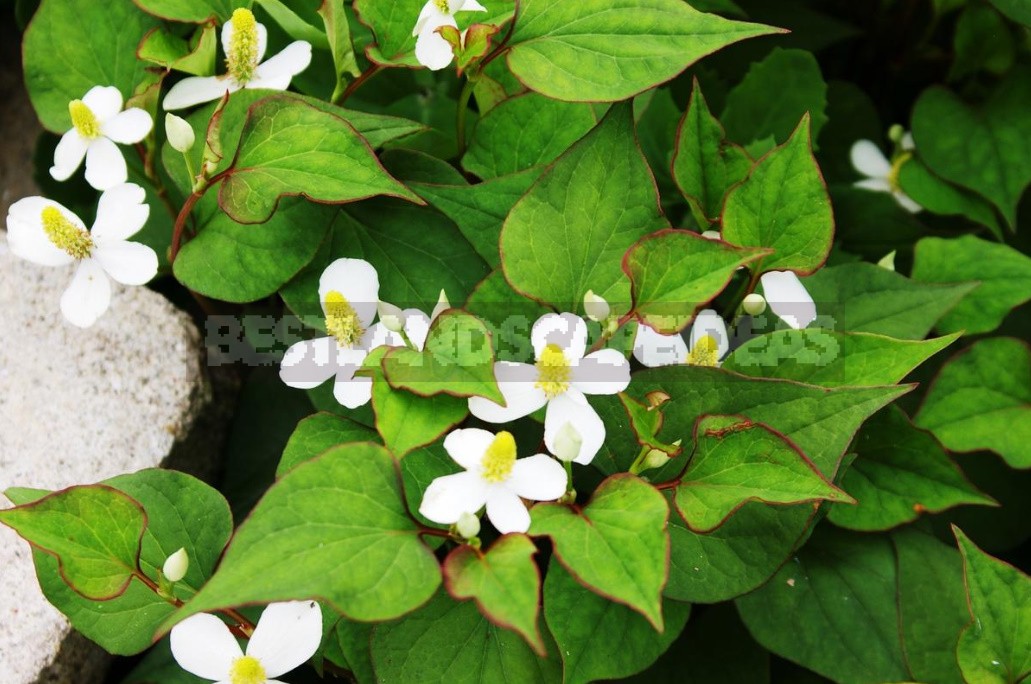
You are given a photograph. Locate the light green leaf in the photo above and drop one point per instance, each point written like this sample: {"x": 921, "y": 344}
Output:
{"x": 294, "y": 26}
{"x": 1004, "y": 274}
{"x": 193, "y": 11}
{"x": 338, "y": 32}
{"x": 317, "y": 434}
{"x": 674, "y": 273}
{"x": 598, "y": 638}
{"x": 569, "y": 233}
{"x": 608, "y": 50}
{"x": 392, "y": 23}
{"x": 941, "y": 197}
{"x": 994, "y": 648}
{"x": 504, "y": 581}
{"x": 981, "y": 399}
{"x": 65, "y": 56}
{"x": 321, "y": 516}
{"x": 783, "y": 205}
{"x": 509, "y": 315}
{"x": 736, "y": 461}
{"x": 616, "y": 545}
{"x": 194, "y": 56}
{"x": 900, "y": 473}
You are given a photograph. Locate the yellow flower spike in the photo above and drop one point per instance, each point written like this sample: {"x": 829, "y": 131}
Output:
{"x": 553, "y": 371}
{"x": 342, "y": 320}
{"x": 65, "y": 234}
{"x": 443, "y": 6}
{"x": 84, "y": 120}
{"x": 706, "y": 352}
{"x": 242, "y": 56}
{"x": 499, "y": 458}
{"x": 247, "y": 670}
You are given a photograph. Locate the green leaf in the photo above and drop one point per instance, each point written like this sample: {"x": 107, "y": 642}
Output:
{"x": 449, "y": 641}
{"x": 983, "y": 42}
{"x": 705, "y": 165}
{"x": 674, "y": 273}
{"x": 509, "y": 315}
{"x": 65, "y": 55}
{"x": 839, "y": 599}
{"x": 774, "y": 95}
{"x": 1014, "y": 9}
{"x": 504, "y": 581}
{"x": 392, "y": 24}
{"x": 1004, "y": 274}
{"x": 616, "y": 545}
{"x": 194, "y": 56}
{"x": 292, "y": 23}
{"x": 736, "y": 461}
{"x": 646, "y": 421}
{"x": 987, "y": 148}
{"x": 981, "y": 399}
{"x": 569, "y": 233}
{"x": 193, "y": 11}
{"x": 598, "y": 638}
{"x": 94, "y": 532}
{"x": 458, "y": 360}
{"x": 320, "y": 516}
{"x": 338, "y": 32}
{"x": 783, "y": 205}
{"x": 832, "y": 359}
{"x": 608, "y": 50}
{"x": 419, "y": 468}
{"x": 901, "y": 472}
{"x": 867, "y": 298}
{"x": 938, "y": 196}
{"x": 932, "y": 605}
{"x": 317, "y": 434}
{"x": 525, "y": 131}
{"x": 289, "y": 148}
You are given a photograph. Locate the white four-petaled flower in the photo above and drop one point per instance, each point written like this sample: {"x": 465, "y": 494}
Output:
{"x": 431, "y": 50}
{"x": 493, "y": 477}
{"x": 98, "y": 122}
{"x": 44, "y": 232}
{"x": 709, "y": 343}
{"x": 286, "y": 636}
{"x": 881, "y": 174}
{"x": 560, "y": 378}
{"x": 244, "y": 41}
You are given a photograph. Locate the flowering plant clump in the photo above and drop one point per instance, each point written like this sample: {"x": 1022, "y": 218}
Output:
{"x": 571, "y": 314}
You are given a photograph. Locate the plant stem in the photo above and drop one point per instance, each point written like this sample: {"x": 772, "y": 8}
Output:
{"x": 635, "y": 467}
{"x": 184, "y": 213}
{"x": 357, "y": 83}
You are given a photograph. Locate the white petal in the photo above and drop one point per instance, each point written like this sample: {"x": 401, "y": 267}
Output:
{"x": 868, "y": 159}
{"x": 567, "y": 330}
{"x": 605, "y": 371}
{"x": 467, "y": 446}
{"x": 417, "y": 327}
{"x": 197, "y": 89}
{"x": 907, "y": 142}
{"x": 227, "y": 38}
{"x": 788, "y": 298}
{"x": 87, "y": 296}
{"x": 357, "y": 281}
{"x": 654, "y": 349}
{"x": 448, "y": 497}
{"x": 130, "y": 263}
{"x": 68, "y": 155}
{"x": 105, "y": 165}
{"x": 431, "y": 50}
{"x": 121, "y": 213}
{"x": 103, "y": 101}
{"x": 907, "y": 203}
{"x": 379, "y": 335}
{"x": 429, "y": 12}
{"x": 507, "y": 512}
{"x": 710, "y": 323}
{"x": 874, "y": 184}
{"x": 25, "y": 232}
{"x": 309, "y": 363}
{"x": 469, "y": 6}
{"x": 538, "y": 478}
{"x": 128, "y": 127}
{"x": 275, "y": 74}
{"x": 286, "y": 636}
{"x": 573, "y": 408}
{"x": 518, "y": 384}
{"x": 203, "y": 645}
{"x": 352, "y": 392}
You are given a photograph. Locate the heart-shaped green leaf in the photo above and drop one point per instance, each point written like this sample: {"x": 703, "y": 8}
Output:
{"x": 319, "y": 433}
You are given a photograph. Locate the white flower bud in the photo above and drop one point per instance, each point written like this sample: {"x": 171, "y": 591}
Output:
{"x": 442, "y": 305}
{"x": 568, "y": 441}
{"x": 468, "y": 525}
{"x": 754, "y": 304}
{"x": 180, "y": 134}
{"x": 176, "y": 565}
{"x": 392, "y": 317}
{"x": 895, "y": 133}
{"x": 888, "y": 261}
{"x": 596, "y": 308}
{"x": 711, "y": 235}
{"x": 656, "y": 458}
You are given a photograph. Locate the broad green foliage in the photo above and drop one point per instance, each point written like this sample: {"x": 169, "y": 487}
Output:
{"x": 193, "y": 56}
{"x": 195, "y": 11}
{"x": 1015, "y": 10}
{"x": 941, "y": 197}
{"x": 318, "y": 433}
{"x": 982, "y": 400}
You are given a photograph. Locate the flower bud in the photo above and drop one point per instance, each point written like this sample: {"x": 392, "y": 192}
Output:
{"x": 176, "y": 565}
{"x": 656, "y": 458}
{"x": 180, "y": 134}
{"x": 754, "y": 304}
{"x": 888, "y": 261}
{"x": 568, "y": 442}
{"x": 392, "y": 317}
{"x": 895, "y": 133}
{"x": 468, "y": 525}
{"x": 442, "y": 305}
{"x": 596, "y": 308}
{"x": 711, "y": 235}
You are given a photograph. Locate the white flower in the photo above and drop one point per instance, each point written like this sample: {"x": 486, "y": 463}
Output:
{"x": 176, "y": 565}
{"x": 493, "y": 476}
{"x": 179, "y": 132}
{"x": 244, "y": 41}
{"x": 709, "y": 343}
{"x": 286, "y": 636}
{"x": 349, "y": 294}
{"x": 883, "y": 175}
{"x": 788, "y": 298}
{"x": 44, "y": 232}
{"x": 98, "y": 122}
{"x": 559, "y": 378}
{"x": 431, "y": 50}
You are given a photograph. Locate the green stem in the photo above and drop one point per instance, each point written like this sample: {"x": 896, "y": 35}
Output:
{"x": 635, "y": 467}
{"x": 463, "y": 108}
{"x": 408, "y": 341}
